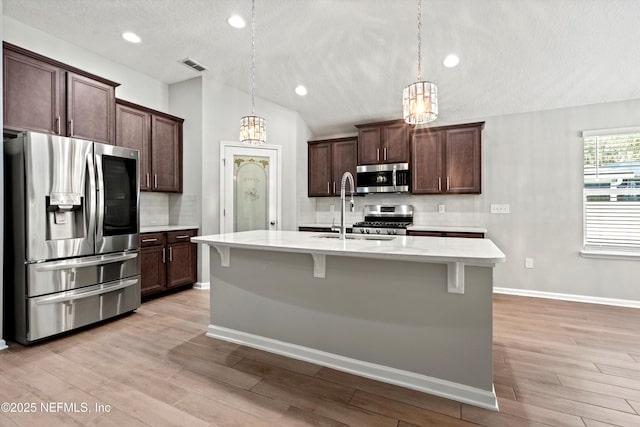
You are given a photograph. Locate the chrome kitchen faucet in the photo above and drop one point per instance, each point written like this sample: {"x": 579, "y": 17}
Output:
{"x": 343, "y": 184}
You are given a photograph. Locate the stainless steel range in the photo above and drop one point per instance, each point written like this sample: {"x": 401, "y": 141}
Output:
{"x": 385, "y": 219}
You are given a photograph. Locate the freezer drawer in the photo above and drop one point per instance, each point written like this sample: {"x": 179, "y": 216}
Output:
{"x": 51, "y": 314}
{"x": 57, "y": 276}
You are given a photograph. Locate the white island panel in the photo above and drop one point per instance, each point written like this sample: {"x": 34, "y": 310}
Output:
{"x": 387, "y": 318}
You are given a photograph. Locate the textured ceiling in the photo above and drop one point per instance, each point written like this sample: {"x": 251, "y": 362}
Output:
{"x": 355, "y": 56}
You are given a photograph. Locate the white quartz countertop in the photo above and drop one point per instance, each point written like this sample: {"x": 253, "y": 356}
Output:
{"x": 447, "y": 228}
{"x": 406, "y": 248}
{"x": 161, "y": 228}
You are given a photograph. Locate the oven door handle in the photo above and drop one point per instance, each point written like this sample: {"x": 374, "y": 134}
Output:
{"x": 107, "y": 259}
{"x": 74, "y": 295}
{"x": 393, "y": 176}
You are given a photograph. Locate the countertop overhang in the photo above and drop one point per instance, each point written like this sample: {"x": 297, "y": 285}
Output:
{"x": 454, "y": 252}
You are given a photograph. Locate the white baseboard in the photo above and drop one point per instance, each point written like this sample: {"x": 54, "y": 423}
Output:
{"x": 568, "y": 297}
{"x": 201, "y": 285}
{"x": 447, "y": 389}
{"x": 3, "y": 345}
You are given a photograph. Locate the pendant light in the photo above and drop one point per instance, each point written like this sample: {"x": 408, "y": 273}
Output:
{"x": 253, "y": 129}
{"x": 420, "y": 99}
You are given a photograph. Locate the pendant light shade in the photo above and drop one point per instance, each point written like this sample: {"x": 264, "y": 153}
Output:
{"x": 420, "y": 99}
{"x": 253, "y": 129}
{"x": 420, "y": 103}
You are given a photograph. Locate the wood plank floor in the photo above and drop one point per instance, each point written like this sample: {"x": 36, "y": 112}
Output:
{"x": 555, "y": 363}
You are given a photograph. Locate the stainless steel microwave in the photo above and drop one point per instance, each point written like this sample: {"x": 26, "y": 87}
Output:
{"x": 386, "y": 178}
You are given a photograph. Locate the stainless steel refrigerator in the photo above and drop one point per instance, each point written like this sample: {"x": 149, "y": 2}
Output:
{"x": 71, "y": 234}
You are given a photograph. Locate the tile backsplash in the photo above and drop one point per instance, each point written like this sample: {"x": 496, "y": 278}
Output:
{"x": 184, "y": 209}
{"x": 154, "y": 209}
{"x": 460, "y": 210}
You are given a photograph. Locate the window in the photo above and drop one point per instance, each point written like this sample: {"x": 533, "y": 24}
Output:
{"x": 612, "y": 189}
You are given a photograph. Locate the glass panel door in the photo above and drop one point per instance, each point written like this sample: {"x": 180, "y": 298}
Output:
{"x": 250, "y": 187}
{"x": 251, "y": 192}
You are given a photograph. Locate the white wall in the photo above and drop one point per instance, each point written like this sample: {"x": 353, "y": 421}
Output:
{"x": 185, "y": 99}
{"x": 533, "y": 161}
{"x": 306, "y": 206}
{"x": 222, "y": 108}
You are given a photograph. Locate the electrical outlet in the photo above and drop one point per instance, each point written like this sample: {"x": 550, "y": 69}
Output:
{"x": 332, "y": 208}
{"x": 499, "y": 209}
{"x": 441, "y": 209}
{"x": 528, "y": 263}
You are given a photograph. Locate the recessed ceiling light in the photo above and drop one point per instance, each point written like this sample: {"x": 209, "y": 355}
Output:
{"x": 131, "y": 37}
{"x": 236, "y": 21}
{"x": 301, "y": 90}
{"x": 451, "y": 61}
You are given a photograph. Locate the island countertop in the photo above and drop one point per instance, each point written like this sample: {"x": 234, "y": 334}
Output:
{"x": 405, "y": 248}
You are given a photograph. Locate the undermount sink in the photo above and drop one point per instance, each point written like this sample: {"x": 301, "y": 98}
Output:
{"x": 355, "y": 237}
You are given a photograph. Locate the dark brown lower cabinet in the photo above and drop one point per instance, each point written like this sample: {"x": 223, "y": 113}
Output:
{"x": 471, "y": 235}
{"x": 168, "y": 260}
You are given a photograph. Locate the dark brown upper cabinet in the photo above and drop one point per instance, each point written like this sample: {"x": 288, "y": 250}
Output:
{"x": 43, "y": 95}
{"x": 91, "y": 107}
{"x": 133, "y": 130}
{"x": 447, "y": 159}
{"x": 328, "y": 160}
{"x": 158, "y": 137}
{"x": 383, "y": 142}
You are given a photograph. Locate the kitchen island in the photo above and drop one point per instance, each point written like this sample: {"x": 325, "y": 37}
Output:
{"x": 411, "y": 311}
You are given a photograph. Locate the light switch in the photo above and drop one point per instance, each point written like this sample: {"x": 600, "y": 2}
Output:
{"x": 441, "y": 209}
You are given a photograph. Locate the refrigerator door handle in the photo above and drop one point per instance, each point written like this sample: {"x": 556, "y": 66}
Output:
{"x": 91, "y": 218}
{"x": 99, "y": 202}
{"x": 74, "y": 295}
{"x": 107, "y": 259}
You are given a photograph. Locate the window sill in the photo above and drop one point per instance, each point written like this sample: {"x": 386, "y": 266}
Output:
{"x": 610, "y": 254}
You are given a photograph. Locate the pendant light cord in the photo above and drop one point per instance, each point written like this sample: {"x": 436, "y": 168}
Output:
{"x": 253, "y": 56}
{"x": 419, "y": 40}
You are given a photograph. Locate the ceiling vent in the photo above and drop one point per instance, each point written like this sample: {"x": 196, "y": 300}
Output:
{"x": 193, "y": 65}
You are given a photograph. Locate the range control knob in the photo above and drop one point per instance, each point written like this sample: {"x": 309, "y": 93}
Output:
{"x": 366, "y": 230}
{"x": 377, "y": 231}
{"x": 362, "y": 231}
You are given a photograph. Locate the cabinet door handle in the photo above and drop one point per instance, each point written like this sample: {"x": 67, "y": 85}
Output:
{"x": 70, "y": 127}
{"x": 58, "y": 125}
{"x": 170, "y": 253}
{"x": 439, "y": 184}
{"x": 334, "y": 187}
{"x": 149, "y": 240}
{"x": 182, "y": 236}
{"x": 385, "y": 154}
{"x": 448, "y": 183}
{"x": 328, "y": 187}
{"x": 155, "y": 180}
{"x": 163, "y": 257}
{"x": 148, "y": 181}
{"x": 377, "y": 154}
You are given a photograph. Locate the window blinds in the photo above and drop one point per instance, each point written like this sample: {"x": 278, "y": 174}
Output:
{"x": 612, "y": 190}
